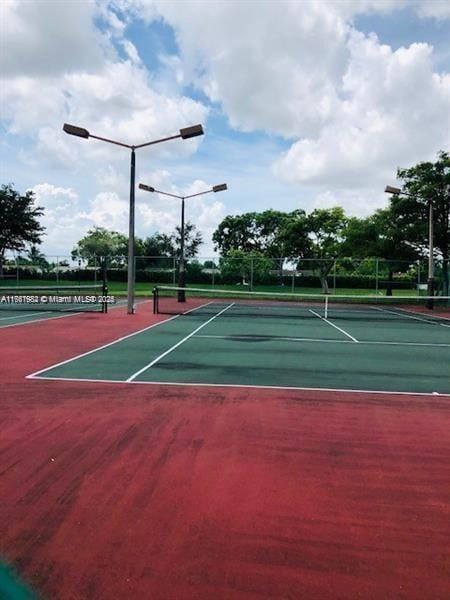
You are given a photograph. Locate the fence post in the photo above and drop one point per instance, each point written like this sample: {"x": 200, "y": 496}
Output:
{"x": 376, "y": 276}
{"x": 418, "y": 277}
{"x": 334, "y": 276}
{"x": 251, "y": 273}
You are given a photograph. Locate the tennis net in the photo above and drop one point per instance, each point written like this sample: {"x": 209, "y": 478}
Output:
{"x": 61, "y": 298}
{"x": 287, "y": 305}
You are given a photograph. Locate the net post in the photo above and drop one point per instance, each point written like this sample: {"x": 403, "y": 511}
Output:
{"x": 104, "y": 270}
{"x": 105, "y": 293}
{"x": 326, "y": 307}
{"x": 155, "y": 300}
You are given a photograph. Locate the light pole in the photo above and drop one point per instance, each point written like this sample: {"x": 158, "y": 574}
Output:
{"x": 181, "y": 269}
{"x": 186, "y": 133}
{"x": 430, "y": 283}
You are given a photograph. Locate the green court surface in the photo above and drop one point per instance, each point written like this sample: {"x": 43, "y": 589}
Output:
{"x": 225, "y": 344}
{"x": 13, "y": 318}
{"x": 26, "y": 304}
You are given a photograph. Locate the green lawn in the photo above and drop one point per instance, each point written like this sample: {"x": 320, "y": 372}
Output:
{"x": 144, "y": 288}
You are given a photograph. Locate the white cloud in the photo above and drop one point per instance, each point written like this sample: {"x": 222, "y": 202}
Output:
{"x": 162, "y": 213}
{"x": 116, "y": 102}
{"x": 109, "y": 211}
{"x": 131, "y": 52}
{"x": 353, "y": 107}
{"x": 62, "y": 219}
{"x": 397, "y": 114}
{"x": 436, "y": 9}
{"x": 53, "y": 196}
{"x": 32, "y": 31}
{"x": 67, "y": 220}
{"x": 355, "y": 202}
{"x": 62, "y": 69}
{"x": 272, "y": 68}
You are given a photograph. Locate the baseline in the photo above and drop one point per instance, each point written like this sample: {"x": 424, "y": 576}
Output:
{"x": 246, "y": 386}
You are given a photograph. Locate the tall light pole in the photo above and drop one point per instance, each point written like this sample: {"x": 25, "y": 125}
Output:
{"x": 181, "y": 269}
{"x": 430, "y": 283}
{"x": 186, "y": 133}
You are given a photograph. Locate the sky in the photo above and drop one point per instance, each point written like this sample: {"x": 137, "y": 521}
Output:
{"x": 305, "y": 104}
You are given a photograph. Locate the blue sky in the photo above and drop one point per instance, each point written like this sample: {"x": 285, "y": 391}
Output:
{"x": 304, "y": 105}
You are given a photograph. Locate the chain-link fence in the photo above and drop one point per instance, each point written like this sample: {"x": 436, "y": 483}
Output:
{"x": 341, "y": 275}
{"x": 50, "y": 270}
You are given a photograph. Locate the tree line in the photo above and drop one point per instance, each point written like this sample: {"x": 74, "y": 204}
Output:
{"x": 398, "y": 233}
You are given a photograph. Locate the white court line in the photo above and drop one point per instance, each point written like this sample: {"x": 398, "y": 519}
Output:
{"x": 436, "y": 319}
{"x": 125, "y": 337}
{"x": 17, "y": 316}
{"x": 246, "y": 386}
{"x": 319, "y": 340}
{"x": 333, "y": 325}
{"x": 406, "y": 314}
{"x": 157, "y": 359}
{"x": 50, "y": 316}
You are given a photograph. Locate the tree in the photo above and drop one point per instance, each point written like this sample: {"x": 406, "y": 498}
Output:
{"x": 99, "y": 242}
{"x": 255, "y": 232}
{"x": 261, "y": 235}
{"x": 209, "y": 264}
{"x": 192, "y": 240}
{"x": 295, "y": 236}
{"x": 156, "y": 251}
{"x": 37, "y": 258}
{"x": 159, "y": 244}
{"x": 326, "y": 233}
{"x": 242, "y": 267}
{"x": 238, "y": 232}
{"x": 381, "y": 235}
{"x": 271, "y": 227}
{"x": 426, "y": 182}
{"x": 19, "y": 221}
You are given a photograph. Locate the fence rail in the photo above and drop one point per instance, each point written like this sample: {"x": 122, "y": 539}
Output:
{"x": 328, "y": 275}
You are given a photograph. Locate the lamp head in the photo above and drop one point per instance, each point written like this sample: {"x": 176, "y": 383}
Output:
{"x": 73, "y": 130}
{"x": 220, "y": 188}
{"x": 147, "y": 188}
{"x": 392, "y": 190}
{"x": 190, "y": 132}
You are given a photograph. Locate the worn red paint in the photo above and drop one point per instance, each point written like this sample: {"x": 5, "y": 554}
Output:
{"x": 122, "y": 491}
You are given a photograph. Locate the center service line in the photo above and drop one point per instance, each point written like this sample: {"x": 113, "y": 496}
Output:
{"x": 333, "y": 325}
{"x": 158, "y": 358}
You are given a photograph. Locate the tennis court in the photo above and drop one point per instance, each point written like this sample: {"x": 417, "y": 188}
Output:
{"x": 254, "y": 478}
{"x": 20, "y": 305}
{"x": 382, "y": 347}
